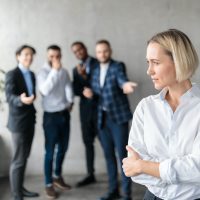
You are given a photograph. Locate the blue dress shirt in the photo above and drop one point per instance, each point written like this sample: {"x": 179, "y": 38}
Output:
{"x": 27, "y": 77}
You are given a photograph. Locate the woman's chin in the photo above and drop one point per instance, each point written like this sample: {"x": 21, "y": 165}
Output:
{"x": 158, "y": 87}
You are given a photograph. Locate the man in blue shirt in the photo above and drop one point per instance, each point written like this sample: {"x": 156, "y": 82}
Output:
{"x": 20, "y": 94}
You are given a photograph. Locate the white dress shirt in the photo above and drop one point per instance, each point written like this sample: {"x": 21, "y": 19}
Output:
{"x": 56, "y": 89}
{"x": 173, "y": 139}
{"x": 103, "y": 72}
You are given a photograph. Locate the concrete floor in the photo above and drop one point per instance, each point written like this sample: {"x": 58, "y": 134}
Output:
{"x": 91, "y": 192}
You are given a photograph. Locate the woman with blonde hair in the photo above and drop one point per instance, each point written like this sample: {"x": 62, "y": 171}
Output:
{"x": 164, "y": 141}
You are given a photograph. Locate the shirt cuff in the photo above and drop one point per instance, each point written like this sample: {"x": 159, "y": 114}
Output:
{"x": 164, "y": 171}
{"x": 19, "y": 102}
{"x": 121, "y": 82}
{"x": 70, "y": 101}
{"x": 54, "y": 71}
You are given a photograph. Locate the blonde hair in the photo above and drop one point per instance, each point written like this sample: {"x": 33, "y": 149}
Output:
{"x": 177, "y": 45}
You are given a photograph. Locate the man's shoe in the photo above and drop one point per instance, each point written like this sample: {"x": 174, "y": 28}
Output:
{"x": 86, "y": 181}
{"x": 27, "y": 193}
{"x": 60, "y": 184}
{"x": 111, "y": 196}
{"x": 50, "y": 192}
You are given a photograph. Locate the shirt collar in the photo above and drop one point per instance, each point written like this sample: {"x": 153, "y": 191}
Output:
{"x": 23, "y": 69}
{"x": 47, "y": 66}
{"x": 163, "y": 93}
{"x": 86, "y": 62}
{"x": 105, "y": 65}
{"x": 194, "y": 91}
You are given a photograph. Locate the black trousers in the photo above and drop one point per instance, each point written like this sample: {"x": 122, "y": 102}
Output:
{"x": 88, "y": 116}
{"x": 22, "y": 142}
{"x": 149, "y": 196}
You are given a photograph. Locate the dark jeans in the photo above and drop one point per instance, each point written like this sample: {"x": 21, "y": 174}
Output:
{"x": 149, "y": 196}
{"x": 113, "y": 137}
{"x": 56, "y": 130}
{"x": 88, "y": 116}
{"x": 22, "y": 142}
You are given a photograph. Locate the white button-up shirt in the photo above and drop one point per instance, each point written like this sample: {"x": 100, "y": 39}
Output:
{"x": 56, "y": 88}
{"x": 173, "y": 139}
{"x": 103, "y": 72}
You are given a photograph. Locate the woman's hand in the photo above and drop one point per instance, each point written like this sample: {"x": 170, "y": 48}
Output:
{"x": 132, "y": 164}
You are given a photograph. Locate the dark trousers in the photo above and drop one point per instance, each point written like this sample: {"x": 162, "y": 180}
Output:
{"x": 149, "y": 196}
{"x": 88, "y": 116}
{"x": 22, "y": 142}
{"x": 56, "y": 131}
{"x": 114, "y": 137}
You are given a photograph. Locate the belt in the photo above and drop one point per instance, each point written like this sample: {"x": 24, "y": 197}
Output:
{"x": 57, "y": 112}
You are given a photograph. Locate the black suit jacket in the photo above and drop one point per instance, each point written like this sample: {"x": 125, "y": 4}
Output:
{"x": 21, "y": 117}
{"x": 88, "y": 107}
{"x": 79, "y": 82}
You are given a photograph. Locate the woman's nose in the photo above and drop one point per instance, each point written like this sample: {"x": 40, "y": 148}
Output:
{"x": 150, "y": 70}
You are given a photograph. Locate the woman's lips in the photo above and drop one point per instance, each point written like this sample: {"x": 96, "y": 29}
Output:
{"x": 154, "y": 79}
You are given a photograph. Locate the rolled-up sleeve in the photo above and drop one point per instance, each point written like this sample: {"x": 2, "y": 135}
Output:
{"x": 184, "y": 169}
{"x": 47, "y": 81}
{"x": 136, "y": 141}
{"x": 68, "y": 90}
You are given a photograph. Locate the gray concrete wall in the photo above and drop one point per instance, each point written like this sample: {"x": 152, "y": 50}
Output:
{"x": 128, "y": 24}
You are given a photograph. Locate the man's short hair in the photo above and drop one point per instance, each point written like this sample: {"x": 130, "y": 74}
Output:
{"x": 54, "y": 47}
{"x": 25, "y": 46}
{"x": 103, "y": 41}
{"x": 78, "y": 43}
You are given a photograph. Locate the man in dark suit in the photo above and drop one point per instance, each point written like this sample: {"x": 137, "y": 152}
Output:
{"x": 88, "y": 108}
{"x": 20, "y": 94}
{"x": 110, "y": 85}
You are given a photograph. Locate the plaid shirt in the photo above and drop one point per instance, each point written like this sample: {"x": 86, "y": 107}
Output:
{"x": 111, "y": 96}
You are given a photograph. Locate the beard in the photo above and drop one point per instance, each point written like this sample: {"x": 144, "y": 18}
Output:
{"x": 105, "y": 61}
